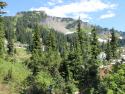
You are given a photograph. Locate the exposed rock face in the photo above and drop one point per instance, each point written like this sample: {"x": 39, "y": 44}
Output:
{"x": 86, "y": 24}
{"x": 50, "y": 20}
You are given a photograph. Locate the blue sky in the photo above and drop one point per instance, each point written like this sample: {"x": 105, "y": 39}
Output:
{"x": 105, "y": 13}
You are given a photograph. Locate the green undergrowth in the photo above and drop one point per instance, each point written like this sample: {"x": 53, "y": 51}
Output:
{"x": 18, "y": 79}
{"x": 12, "y": 75}
{"x": 21, "y": 51}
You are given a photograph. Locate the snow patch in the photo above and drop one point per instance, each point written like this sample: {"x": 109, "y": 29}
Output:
{"x": 101, "y": 40}
{"x": 120, "y": 38}
{"x": 69, "y": 33}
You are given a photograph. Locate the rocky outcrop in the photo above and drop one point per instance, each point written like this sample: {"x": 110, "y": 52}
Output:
{"x": 49, "y": 20}
{"x": 86, "y": 24}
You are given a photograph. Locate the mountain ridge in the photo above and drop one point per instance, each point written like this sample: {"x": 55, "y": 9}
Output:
{"x": 65, "y": 25}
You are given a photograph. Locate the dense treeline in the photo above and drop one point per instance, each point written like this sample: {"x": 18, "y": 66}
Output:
{"x": 23, "y": 26}
{"x": 70, "y": 62}
{"x": 72, "y": 25}
{"x": 67, "y": 19}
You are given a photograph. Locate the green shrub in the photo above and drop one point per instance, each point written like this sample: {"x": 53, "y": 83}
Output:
{"x": 7, "y": 58}
{"x": 13, "y": 74}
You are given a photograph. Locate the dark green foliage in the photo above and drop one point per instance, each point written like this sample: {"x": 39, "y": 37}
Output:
{"x": 114, "y": 43}
{"x": 10, "y": 43}
{"x": 21, "y": 34}
{"x": 36, "y": 40}
{"x": 70, "y": 62}
{"x": 94, "y": 62}
{"x": 67, "y": 19}
{"x": 70, "y": 70}
{"x": 2, "y": 5}
{"x": 15, "y": 51}
{"x": 36, "y": 52}
{"x": 50, "y": 43}
{"x": 72, "y": 25}
{"x": 30, "y": 41}
{"x": 33, "y": 16}
{"x": 108, "y": 51}
{"x": 94, "y": 49}
{"x": 35, "y": 62}
{"x": 103, "y": 46}
{"x": 81, "y": 39}
{"x": 63, "y": 53}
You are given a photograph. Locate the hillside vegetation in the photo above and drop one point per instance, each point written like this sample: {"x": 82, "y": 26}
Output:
{"x": 69, "y": 62}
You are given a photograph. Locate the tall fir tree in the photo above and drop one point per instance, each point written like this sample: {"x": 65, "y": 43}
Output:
{"x": 10, "y": 43}
{"x": 2, "y": 5}
{"x": 35, "y": 62}
{"x": 88, "y": 50}
{"x": 108, "y": 50}
{"x": 71, "y": 46}
{"x": 36, "y": 40}
{"x": 114, "y": 43}
{"x": 94, "y": 48}
{"x": 51, "y": 52}
{"x": 36, "y": 52}
{"x": 51, "y": 42}
{"x": 81, "y": 39}
{"x": 94, "y": 62}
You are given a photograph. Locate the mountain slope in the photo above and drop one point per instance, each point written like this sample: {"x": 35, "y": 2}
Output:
{"x": 63, "y": 25}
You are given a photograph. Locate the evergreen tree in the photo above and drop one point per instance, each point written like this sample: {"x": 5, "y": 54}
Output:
{"x": 10, "y": 43}
{"x": 35, "y": 61}
{"x": 30, "y": 41}
{"x": 2, "y": 5}
{"x": 51, "y": 53}
{"x": 50, "y": 43}
{"x": 113, "y": 43}
{"x": 70, "y": 70}
{"x": 88, "y": 50}
{"x": 71, "y": 46}
{"x": 15, "y": 51}
{"x": 81, "y": 39}
{"x": 94, "y": 62}
{"x": 64, "y": 53}
{"x": 36, "y": 40}
{"x": 108, "y": 50}
{"x": 94, "y": 48}
{"x": 36, "y": 52}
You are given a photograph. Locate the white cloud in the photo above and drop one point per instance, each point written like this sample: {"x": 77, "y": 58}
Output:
{"x": 107, "y": 16}
{"x": 109, "y": 11}
{"x": 57, "y": 1}
{"x": 60, "y": 1}
{"x": 51, "y": 3}
{"x": 82, "y": 16}
{"x": 85, "y": 20}
{"x": 77, "y": 7}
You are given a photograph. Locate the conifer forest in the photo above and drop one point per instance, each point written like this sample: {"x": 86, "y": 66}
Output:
{"x": 34, "y": 56}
